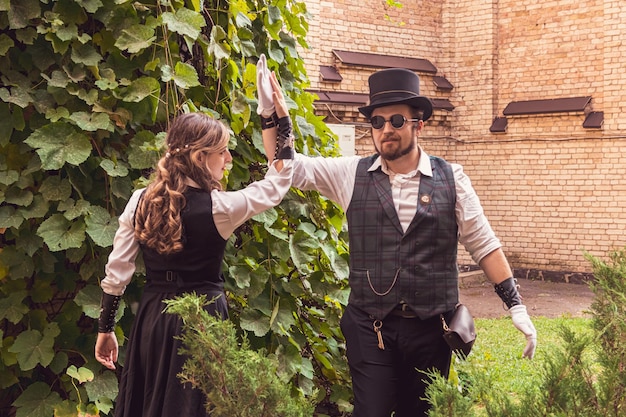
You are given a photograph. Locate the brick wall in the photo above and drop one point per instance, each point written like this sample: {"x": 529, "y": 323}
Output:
{"x": 551, "y": 188}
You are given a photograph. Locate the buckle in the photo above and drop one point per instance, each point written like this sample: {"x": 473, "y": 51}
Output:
{"x": 170, "y": 276}
{"x": 403, "y": 307}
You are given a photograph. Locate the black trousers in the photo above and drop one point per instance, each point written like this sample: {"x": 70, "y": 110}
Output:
{"x": 390, "y": 380}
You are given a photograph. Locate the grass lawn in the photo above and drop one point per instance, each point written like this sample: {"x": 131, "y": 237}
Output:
{"x": 499, "y": 345}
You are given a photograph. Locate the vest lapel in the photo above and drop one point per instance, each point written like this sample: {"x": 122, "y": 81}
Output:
{"x": 424, "y": 201}
{"x": 383, "y": 189}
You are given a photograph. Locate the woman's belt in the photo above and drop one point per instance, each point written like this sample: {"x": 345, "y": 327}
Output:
{"x": 172, "y": 281}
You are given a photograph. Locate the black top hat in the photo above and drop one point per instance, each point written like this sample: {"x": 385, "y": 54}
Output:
{"x": 396, "y": 86}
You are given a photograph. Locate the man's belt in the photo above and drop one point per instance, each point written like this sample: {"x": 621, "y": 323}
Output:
{"x": 403, "y": 310}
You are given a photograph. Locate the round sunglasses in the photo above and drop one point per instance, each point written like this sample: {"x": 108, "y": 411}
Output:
{"x": 397, "y": 121}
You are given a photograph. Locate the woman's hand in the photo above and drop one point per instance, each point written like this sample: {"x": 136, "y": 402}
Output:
{"x": 278, "y": 139}
{"x": 107, "y": 349}
{"x": 279, "y": 98}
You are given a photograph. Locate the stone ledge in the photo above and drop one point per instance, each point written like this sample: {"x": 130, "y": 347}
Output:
{"x": 473, "y": 273}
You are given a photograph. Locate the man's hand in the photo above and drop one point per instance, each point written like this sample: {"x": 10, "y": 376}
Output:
{"x": 522, "y": 322}
{"x": 107, "y": 349}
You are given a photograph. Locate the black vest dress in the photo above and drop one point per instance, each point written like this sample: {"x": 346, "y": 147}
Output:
{"x": 149, "y": 386}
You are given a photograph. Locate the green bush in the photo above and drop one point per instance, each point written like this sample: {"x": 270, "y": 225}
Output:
{"x": 582, "y": 375}
{"x": 236, "y": 380}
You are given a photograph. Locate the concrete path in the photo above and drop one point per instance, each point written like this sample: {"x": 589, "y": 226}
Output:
{"x": 543, "y": 298}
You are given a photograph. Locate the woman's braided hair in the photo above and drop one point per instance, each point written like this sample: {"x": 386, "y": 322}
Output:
{"x": 191, "y": 138}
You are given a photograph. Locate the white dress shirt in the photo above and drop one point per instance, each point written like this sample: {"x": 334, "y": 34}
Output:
{"x": 334, "y": 178}
{"x": 230, "y": 210}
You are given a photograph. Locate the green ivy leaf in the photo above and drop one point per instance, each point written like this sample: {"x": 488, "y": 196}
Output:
{"x": 91, "y": 6}
{"x": 141, "y": 88}
{"x": 242, "y": 20}
{"x": 282, "y": 316}
{"x": 8, "y": 218}
{"x": 59, "y": 363}
{"x": 85, "y": 54}
{"x": 36, "y": 210}
{"x": 67, "y": 33}
{"x": 21, "y": 12}
{"x": 28, "y": 242}
{"x": 19, "y": 265}
{"x": 57, "y": 79}
{"x": 12, "y": 309}
{"x": 82, "y": 374}
{"x": 27, "y": 35}
{"x": 185, "y": 76}
{"x": 34, "y": 348}
{"x": 241, "y": 275}
{"x": 255, "y": 321}
{"x": 185, "y": 22}
{"x": 38, "y": 400}
{"x": 104, "y": 405}
{"x": 103, "y": 386}
{"x": 340, "y": 265}
{"x": 135, "y": 38}
{"x": 92, "y": 121}
{"x": 67, "y": 408}
{"x": 55, "y": 188}
{"x": 145, "y": 149}
{"x": 267, "y": 217}
{"x": 17, "y": 95}
{"x": 54, "y": 115}
{"x": 59, "y": 234}
{"x": 72, "y": 210}
{"x": 5, "y": 44}
{"x": 288, "y": 43}
{"x": 302, "y": 245}
{"x": 276, "y": 54}
{"x": 18, "y": 197}
{"x": 58, "y": 143}
{"x": 101, "y": 227}
{"x": 113, "y": 169}
{"x": 89, "y": 299}
{"x": 216, "y": 47}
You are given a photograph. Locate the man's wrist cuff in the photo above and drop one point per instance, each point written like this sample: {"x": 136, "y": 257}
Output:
{"x": 507, "y": 291}
{"x": 269, "y": 122}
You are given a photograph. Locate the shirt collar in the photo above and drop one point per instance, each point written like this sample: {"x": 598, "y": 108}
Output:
{"x": 423, "y": 165}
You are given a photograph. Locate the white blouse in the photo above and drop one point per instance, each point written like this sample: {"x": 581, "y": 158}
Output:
{"x": 230, "y": 210}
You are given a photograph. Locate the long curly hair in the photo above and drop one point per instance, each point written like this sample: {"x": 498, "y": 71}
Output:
{"x": 191, "y": 138}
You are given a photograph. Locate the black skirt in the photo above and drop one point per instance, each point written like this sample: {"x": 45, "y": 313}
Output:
{"x": 149, "y": 385}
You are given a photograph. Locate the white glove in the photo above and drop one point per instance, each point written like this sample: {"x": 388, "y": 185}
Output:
{"x": 264, "y": 89}
{"x": 522, "y": 322}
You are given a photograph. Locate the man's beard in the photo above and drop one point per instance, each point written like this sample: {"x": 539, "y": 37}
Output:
{"x": 396, "y": 153}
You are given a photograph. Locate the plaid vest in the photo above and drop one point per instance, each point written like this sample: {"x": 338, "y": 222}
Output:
{"x": 387, "y": 265}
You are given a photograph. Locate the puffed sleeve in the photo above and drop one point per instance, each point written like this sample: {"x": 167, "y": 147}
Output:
{"x": 233, "y": 208}
{"x": 120, "y": 267}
